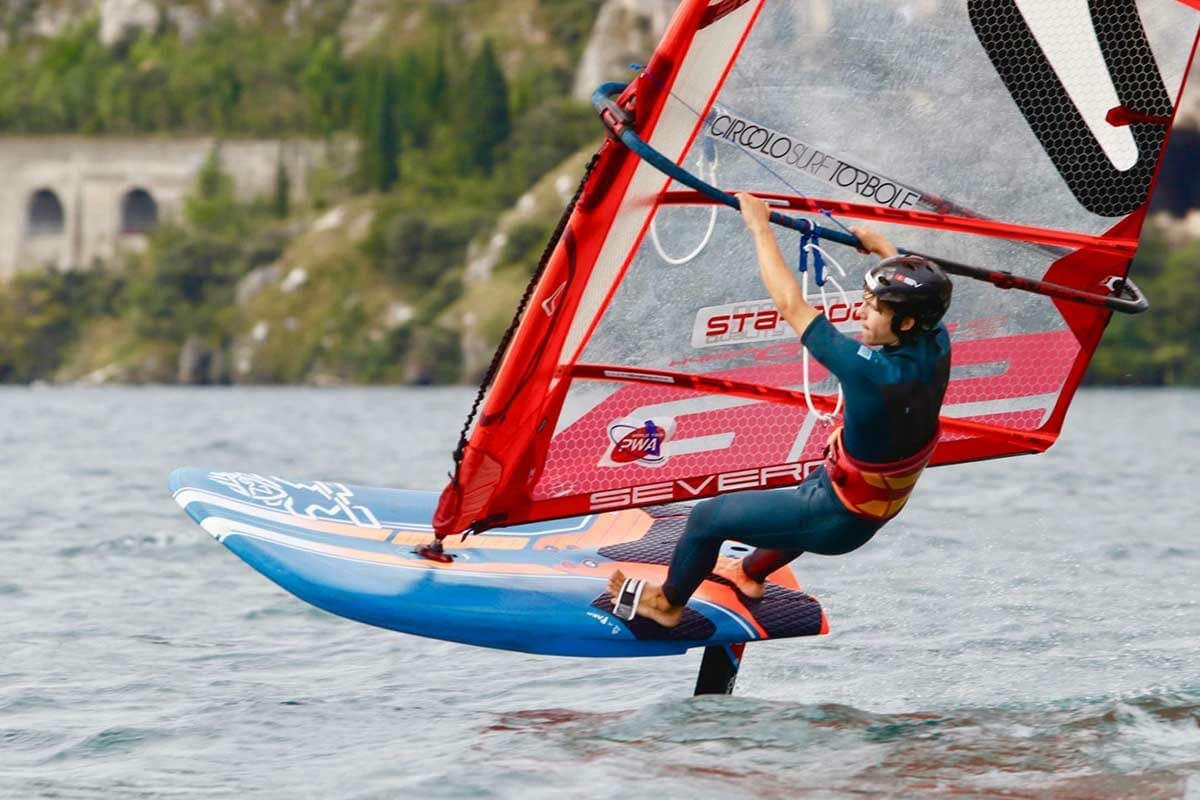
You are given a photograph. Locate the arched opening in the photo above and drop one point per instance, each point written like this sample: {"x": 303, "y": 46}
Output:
{"x": 139, "y": 212}
{"x": 46, "y": 216}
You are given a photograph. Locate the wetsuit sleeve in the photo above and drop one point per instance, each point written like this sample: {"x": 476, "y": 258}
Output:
{"x": 850, "y": 360}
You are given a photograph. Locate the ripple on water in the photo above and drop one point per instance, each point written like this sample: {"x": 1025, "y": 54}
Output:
{"x": 21, "y": 740}
{"x": 1067, "y": 748}
{"x": 108, "y": 742}
{"x": 1178, "y": 552}
{"x": 27, "y": 702}
{"x": 285, "y": 608}
{"x": 153, "y": 543}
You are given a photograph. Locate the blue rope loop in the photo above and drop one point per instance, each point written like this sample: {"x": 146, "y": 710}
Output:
{"x": 812, "y": 236}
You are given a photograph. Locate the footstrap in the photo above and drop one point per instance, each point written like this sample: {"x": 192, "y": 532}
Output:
{"x": 626, "y": 604}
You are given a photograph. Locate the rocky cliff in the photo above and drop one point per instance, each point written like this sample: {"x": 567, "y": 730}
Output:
{"x": 625, "y": 33}
{"x": 122, "y": 19}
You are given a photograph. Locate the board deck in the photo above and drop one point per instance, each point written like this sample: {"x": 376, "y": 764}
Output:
{"x": 537, "y": 588}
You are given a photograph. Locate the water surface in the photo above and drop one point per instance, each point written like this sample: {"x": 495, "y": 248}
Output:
{"x": 1028, "y": 628}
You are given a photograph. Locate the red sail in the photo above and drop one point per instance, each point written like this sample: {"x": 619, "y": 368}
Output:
{"x": 649, "y": 367}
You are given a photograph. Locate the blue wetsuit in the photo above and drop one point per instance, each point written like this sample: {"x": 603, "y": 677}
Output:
{"x": 892, "y": 400}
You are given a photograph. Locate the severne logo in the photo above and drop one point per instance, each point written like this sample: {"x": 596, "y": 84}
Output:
{"x": 692, "y": 488}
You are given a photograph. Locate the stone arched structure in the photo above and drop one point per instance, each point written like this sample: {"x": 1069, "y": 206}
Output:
{"x": 70, "y": 202}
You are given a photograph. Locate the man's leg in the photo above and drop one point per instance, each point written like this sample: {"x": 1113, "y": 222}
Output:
{"x": 750, "y": 574}
{"x": 697, "y": 549}
{"x": 764, "y": 519}
{"x": 808, "y": 518}
{"x": 693, "y": 560}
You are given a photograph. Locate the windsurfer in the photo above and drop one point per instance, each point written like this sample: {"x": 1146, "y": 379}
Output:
{"x": 893, "y": 380}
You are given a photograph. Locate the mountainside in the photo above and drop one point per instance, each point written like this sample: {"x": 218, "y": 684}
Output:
{"x": 404, "y": 262}
{"x": 455, "y": 131}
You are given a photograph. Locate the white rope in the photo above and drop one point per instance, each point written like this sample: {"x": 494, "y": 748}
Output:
{"x": 832, "y": 416}
{"x": 712, "y": 217}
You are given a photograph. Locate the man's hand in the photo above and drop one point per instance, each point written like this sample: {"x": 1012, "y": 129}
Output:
{"x": 755, "y": 212}
{"x": 874, "y": 242}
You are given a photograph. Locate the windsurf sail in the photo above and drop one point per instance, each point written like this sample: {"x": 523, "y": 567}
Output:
{"x": 1018, "y": 138}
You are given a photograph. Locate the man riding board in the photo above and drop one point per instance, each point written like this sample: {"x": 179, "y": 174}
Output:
{"x": 893, "y": 382}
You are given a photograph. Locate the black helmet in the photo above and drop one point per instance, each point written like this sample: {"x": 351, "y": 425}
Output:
{"x": 914, "y": 287}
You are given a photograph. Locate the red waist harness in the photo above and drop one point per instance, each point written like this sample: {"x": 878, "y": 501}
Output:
{"x": 874, "y": 491}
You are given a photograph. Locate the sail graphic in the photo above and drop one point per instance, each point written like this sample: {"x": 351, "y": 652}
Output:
{"x": 1021, "y": 136}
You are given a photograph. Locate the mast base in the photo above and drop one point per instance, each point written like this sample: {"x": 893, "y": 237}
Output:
{"x": 435, "y": 552}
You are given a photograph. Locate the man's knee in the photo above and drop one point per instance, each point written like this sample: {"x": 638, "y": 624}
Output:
{"x": 704, "y": 520}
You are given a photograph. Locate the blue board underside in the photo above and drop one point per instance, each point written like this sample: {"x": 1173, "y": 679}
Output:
{"x": 339, "y": 548}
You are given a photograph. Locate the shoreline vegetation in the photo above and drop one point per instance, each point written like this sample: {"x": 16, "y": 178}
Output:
{"x": 404, "y": 263}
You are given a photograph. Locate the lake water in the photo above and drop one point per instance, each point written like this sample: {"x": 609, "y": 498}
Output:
{"x": 1028, "y": 628}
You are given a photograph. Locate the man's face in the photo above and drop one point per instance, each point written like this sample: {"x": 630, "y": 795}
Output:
{"x": 876, "y": 322}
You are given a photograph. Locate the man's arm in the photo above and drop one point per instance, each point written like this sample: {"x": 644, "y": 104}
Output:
{"x": 777, "y": 275}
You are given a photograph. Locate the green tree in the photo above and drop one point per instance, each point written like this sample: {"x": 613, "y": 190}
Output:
{"x": 173, "y": 290}
{"x": 418, "y": 245}
{"x": 281, "y": 200}
{"x": 570, "y": 21}
{"x": 1159, "y": 347}
{"x": 484, "y": 123}
{"x": 183, "y": 284}
{"x": 212, "y": 206}
{"x": 439, "y": 80}
{"x": 422, "y": 83}
{"x": 379, "y": 155}
{"x": 324, "y": 83}
{"x": 43, "y": 312}
{"x": 542, "y": 137}
{"x": 34, "y": 325}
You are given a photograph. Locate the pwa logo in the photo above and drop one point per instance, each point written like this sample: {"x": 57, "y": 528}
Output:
{"x": 641, "y": 442}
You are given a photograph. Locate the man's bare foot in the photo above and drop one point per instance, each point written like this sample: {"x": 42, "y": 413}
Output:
{"x": 731, "y": 570}
{"x": 653, "y": 604}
